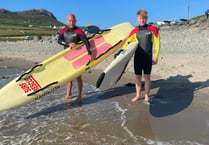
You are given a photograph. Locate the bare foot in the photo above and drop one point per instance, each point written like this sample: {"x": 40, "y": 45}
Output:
{"x": 68, "y": 97}
{"x": 135, "y": 99}
{"x": 146, "y": 98}
{"x": 78, "y": 100}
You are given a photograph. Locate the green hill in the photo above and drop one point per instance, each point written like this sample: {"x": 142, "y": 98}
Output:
{"x": 36, "y": 22}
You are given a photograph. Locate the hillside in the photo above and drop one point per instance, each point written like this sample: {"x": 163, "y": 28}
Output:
{"x": 30, "y": 22}
{"x": 198, "y": 21}
{"x": 40, "y": 22}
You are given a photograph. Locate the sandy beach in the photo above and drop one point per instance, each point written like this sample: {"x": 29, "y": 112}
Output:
{"x": 179, "y": 92}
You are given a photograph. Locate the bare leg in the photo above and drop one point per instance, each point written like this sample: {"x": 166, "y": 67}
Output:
{"x": 138, "y": 88}
{"x": 147, "y": 86}
{"x": 69, "y": 88}
{"x": 79, "y": 87}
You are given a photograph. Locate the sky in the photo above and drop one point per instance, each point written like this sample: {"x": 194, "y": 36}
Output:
{"x": 107, "y": 13}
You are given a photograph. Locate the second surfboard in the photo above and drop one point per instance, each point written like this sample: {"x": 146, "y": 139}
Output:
{"x": 112, "y": 74}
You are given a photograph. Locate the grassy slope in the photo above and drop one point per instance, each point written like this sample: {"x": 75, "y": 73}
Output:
{"x": 27, "y": 23}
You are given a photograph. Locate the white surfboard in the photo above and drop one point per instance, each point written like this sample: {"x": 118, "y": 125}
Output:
{"x": 112, "y": 74}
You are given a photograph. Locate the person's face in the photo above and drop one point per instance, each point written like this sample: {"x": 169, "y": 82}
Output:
{"x": 142, "y": 20}
{"x": 71, "y": 21}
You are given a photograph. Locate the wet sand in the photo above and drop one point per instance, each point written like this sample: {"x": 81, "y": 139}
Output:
{"x": 178, "y": 112}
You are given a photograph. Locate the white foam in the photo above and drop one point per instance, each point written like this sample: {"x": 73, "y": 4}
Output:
{"x": 123, "y": 119}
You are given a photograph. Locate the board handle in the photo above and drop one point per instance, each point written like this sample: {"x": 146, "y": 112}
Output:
{"x": 45, "y": 87}
{"x": 105, "y": 30}
{"x": 28, "y": 72}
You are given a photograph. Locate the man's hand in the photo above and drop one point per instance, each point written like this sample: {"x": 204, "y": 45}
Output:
{"x": 72, "y": 44}
{"x": 91, "y": 58}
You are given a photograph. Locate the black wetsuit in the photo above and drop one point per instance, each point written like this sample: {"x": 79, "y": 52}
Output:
{"x": 145, "y": 36}
{"x": 68, "y": 35}
{"x": 143, "y": 54}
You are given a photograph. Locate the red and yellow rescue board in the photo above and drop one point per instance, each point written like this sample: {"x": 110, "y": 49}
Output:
{"x": 61, "y": 68}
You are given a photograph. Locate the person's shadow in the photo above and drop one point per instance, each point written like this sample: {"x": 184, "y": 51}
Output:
{"x": 174, "y": 95}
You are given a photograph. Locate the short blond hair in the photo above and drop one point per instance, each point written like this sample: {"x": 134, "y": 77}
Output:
{"x": 142, "y": 13}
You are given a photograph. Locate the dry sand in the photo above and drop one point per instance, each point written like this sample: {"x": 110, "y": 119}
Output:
{"x": 180, "y": 84}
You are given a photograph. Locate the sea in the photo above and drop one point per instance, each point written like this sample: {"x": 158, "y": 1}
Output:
{"x": 52, "y": 120}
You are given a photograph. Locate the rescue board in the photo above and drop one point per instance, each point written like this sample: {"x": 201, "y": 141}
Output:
{"x": 61, "y": 68}
{"x": 112, "y": 74}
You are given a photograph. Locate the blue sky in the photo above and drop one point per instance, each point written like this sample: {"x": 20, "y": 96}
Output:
{"x": 106, "y": 13}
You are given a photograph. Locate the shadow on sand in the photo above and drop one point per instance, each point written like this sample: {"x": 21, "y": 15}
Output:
{"x": 174, "y": 95}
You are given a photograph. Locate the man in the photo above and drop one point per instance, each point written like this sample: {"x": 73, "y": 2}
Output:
{"x": 207, "y": 13}
{"x": 146, "y": 36}
{"x": 68, "y": 37}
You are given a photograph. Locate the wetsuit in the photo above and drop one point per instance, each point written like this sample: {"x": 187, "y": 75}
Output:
{"x": 145, "y": 36}
{"x": 207, "y": 13}
{"x": 68, "y": 35}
